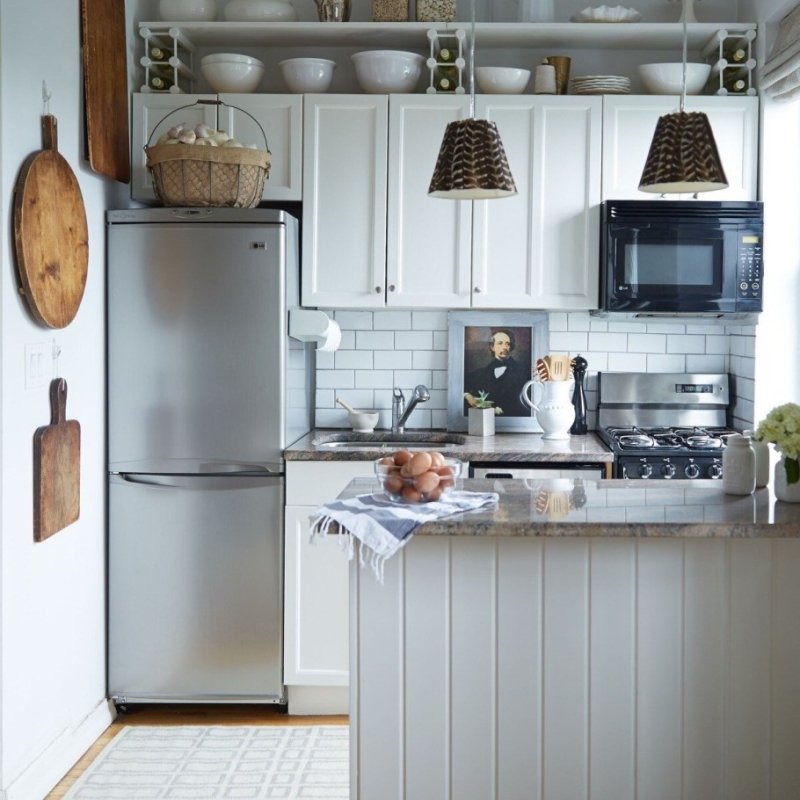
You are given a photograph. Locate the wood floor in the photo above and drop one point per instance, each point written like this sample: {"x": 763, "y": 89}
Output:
{"x": 187, "y": 715}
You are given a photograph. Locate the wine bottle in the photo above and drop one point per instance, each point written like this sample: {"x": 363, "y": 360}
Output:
{"x": 734, "y": 84}
{"x": 446, "y": 79}
{"x": 736, "y": 56}
{"x": 159, "y": 83}
{"x": 160, "y": 53}
{"x": 446, "y": 56}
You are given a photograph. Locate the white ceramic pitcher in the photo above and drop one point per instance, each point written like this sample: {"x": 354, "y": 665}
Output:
{"x": 554, "y": 410}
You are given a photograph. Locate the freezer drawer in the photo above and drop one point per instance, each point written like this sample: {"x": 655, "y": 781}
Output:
{"x": 195, "y": 588}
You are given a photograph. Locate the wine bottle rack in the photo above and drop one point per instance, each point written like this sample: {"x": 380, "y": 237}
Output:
{"x": 724, "y": 70}
{"x": 177, "y": 70}
{"x": 452, "y": 40}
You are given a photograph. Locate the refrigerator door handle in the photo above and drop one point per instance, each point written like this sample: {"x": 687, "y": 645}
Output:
{"x": 248, "y": 480}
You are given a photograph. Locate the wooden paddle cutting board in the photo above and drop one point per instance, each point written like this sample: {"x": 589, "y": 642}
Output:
{"x": 56, "y": 468}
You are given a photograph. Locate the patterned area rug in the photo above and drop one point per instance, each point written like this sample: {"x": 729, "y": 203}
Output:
{"x": 227, "y": 762}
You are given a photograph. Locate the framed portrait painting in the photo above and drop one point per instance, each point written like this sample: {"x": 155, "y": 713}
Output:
{"x": 492, "y": 355}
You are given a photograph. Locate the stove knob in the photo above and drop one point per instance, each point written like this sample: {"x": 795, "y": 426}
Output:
{"x": 645, "y": 470}
{"x": 692, "y": 471}
{"x": 669, "y": 470}
{"x": 715, "y": 471}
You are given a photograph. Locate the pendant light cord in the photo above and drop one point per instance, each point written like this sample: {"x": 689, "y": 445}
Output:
{"x": 472, "y": 64}
{"x": 685, "y": 56}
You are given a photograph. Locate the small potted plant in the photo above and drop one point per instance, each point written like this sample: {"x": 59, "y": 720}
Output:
{"x": 481, "y": 414}
{"x": 782, "y": 428}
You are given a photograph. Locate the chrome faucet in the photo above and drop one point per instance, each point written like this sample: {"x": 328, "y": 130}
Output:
{"x": 401, "y": 412}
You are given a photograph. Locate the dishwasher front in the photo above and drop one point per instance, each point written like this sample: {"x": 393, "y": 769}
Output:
{"x": 541, "y": 470}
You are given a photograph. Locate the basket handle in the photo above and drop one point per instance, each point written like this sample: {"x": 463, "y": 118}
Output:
{"x": 207, "y": 103}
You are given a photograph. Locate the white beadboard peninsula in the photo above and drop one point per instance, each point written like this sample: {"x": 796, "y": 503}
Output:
{"x": 583, "y": 639}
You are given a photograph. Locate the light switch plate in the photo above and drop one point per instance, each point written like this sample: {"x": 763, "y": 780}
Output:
{"x": 38, "y": 364}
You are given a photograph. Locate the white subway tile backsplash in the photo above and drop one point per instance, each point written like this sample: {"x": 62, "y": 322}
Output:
{"x": 608, "y": 342}
{"x": 429, "y": 320}
{"x": 392, "y": 321}
{"x": 647, "y": 343}
{"x": 712, "y": 363}
{"x": 353, "y": 359}
{"x": 374, "y": 379}
{"x": 392, "y": 359}
{"x": 627, "y": 362}
{"x": 354, "y": 320}
{"x": 429, "y": 359}
{"x": 414, "y": 340}
{"x": 568, "y": 342}
{"x": 375, "y": 340}
{"x": 666, "y": 363}
{"x": 388, "y": 348}
{"x": 686, "y": 344}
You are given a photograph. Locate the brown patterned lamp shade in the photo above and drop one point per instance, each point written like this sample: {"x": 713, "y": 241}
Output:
{"x": 683, "y": 156}
{"x": 472, "y": 163}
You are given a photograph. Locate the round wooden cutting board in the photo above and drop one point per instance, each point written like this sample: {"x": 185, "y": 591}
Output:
{"x": 50, "y": 233}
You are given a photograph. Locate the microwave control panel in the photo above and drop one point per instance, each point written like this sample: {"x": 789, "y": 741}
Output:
{"x": 749, "y": 272}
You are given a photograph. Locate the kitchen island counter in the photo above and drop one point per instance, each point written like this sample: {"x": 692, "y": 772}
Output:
{"x": 567, "y": 507}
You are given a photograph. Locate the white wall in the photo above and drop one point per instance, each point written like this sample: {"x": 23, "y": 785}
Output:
{"x": 52, "y": 617}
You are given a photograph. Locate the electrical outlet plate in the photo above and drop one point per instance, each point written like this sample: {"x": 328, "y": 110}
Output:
{"x": 38, "y": 364}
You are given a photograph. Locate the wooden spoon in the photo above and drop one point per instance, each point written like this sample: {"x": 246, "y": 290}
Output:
{"x": 559, "y": 368}
{"x": 542, "y": 370}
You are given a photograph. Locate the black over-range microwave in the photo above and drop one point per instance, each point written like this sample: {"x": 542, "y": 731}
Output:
{"x": 685, "y": 257}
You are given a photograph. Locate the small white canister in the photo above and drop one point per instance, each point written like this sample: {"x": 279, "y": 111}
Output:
{"x": 544, "y": 81}
{"x": 738, "y": 466}
{"x": 761, "y": 449}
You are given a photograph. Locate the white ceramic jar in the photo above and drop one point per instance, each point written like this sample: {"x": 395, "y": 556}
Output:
{"x": 761, "y": 449}
{"x": 738, "y": 466}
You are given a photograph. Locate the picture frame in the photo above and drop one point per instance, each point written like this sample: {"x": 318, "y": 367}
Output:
{"x": 473, "y": 348}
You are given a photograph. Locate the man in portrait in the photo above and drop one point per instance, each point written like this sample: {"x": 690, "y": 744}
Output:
{"x": 501, "y": 377}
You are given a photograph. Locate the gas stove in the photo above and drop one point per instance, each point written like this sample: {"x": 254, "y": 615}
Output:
{"x": 663, "y": 426}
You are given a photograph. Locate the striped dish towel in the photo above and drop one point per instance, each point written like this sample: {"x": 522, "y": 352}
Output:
{"x": 383, "y": 527}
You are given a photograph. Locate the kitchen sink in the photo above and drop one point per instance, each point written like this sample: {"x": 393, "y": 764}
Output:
{"x": 388, "y": 441}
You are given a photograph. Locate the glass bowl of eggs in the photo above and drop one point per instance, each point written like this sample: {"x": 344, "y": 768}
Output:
{"x": 416, "y": 477}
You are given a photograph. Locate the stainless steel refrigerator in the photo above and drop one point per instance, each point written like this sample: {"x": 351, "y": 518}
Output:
{"x": 205, "y": 390}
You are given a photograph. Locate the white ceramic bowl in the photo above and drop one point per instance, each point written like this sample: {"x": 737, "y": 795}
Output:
{"x": 233, "y": 76}
{"x": 187, "y": 10}
{"x": 304, "y": 75}
{"x": 667, "y": 78}
{"x": 238, "y": 58}
{"x": 363, "y": 421}
{"x": 387, "y": 71}
{"x": 502, "y": 80}
{"x": 260, "y": 11}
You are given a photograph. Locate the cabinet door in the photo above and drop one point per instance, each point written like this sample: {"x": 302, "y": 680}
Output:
{"x": 629, "y": 124}
{"x": 539, "y": 248}
{"x": 428, "y": 249}
{"x": 149, "y": 111}
{"x": 281, "y": 117}
{"x": 344, "y": 200}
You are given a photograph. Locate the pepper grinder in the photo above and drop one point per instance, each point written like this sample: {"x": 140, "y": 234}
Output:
{"x": 579, "y": 365}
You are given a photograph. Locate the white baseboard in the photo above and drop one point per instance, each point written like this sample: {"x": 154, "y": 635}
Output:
{"x": 60, "y": 756}
{"x": 308, "y": 700}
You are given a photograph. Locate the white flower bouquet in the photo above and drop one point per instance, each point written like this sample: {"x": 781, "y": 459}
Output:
{"x": 782, "y": 428}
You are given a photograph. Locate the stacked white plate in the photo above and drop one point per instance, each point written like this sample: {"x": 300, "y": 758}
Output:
{"x": 600, "y": 84}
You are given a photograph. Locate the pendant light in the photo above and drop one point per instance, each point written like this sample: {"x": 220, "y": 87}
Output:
{"x": 683, "y": 155}
{"x": 472, "y": 163}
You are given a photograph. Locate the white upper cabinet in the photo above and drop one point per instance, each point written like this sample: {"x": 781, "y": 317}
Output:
{"x": 539, "y": 249}
{"x": 280, "y": 116}
{"x": 628, "y": 126}
{"x": 429, "y": 240}
{"x": 344, "y": 193}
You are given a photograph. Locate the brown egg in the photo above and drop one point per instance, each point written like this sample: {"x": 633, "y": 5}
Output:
{"x": 420, "y": 462}
{"x": 393, "y": 484}
{"x": 402, "y": 457}
{"x": 437, "y": 459}
{"x": 411, "y": 495}
{"x": 446, "y": 476}
{"x": 435, "y": 494}
{"x": 386, "y": 462}
{"x": 426, "y": 482}
{"x": 405, "y": 470}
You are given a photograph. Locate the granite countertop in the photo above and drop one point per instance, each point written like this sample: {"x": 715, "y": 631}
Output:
{"x": 607, "y": 508}
{"x": 513, "y": 447}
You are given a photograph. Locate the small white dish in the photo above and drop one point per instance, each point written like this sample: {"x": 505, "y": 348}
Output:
{"x": 260, "y": 11}
{"x": 502, "y": 80}
{"x": 307, "y": 75}
{"x": 363, "y": 421}
{"x": 668, "y": 78}
{"x": 387, "y": 71}
{"x": 187, "y": 10}
{"x": 607, "y": 14}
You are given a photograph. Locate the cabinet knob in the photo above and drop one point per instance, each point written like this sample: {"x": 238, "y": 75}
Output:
{"x": 378, "y": 289}
{"x": 477, "y": 290}
{"x": 391, "y": 287}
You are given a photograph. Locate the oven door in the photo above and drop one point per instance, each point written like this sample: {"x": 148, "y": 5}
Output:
{"x": 670, "y": 266}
